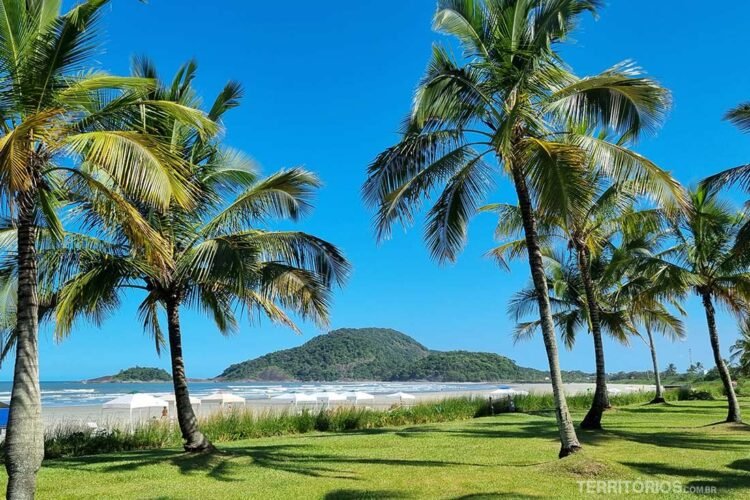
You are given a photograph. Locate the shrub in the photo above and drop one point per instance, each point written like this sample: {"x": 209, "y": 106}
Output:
{"x": 688, "y": 393}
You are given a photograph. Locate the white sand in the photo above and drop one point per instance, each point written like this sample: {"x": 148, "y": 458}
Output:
{"x": 80, "y": 415}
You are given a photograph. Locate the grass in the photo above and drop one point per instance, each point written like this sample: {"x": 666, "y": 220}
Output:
{"x": 505, "y": 456}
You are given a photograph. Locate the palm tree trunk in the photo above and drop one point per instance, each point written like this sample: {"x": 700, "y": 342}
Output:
{"x": 24, "y": 441}
{"x": 195, "y": 441}
{"x": 657, "y": 376}
{"x": 568, "y": 438}
{"x": 593, "y": 419}
{"x": 733, "y": 414}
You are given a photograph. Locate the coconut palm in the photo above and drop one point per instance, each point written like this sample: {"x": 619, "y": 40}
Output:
{"x": 740, "y": 117}
{"x": 62, "y": 122}
{"x": 705, "y": 261}
{"x": 740, "y": 350}
{"x": 648, "y": 298}
{"x": 596, "y": 214}
{"x": 569, "y": 303}
{"x": 509, "y": 107}
{"x": 221, "y": 255}
{"x": 625, "y": 301}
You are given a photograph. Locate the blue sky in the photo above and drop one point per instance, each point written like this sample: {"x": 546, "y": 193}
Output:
{"x": 326, "y": 87}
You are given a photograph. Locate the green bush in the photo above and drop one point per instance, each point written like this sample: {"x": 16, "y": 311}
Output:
{"x": 688, "y": 393}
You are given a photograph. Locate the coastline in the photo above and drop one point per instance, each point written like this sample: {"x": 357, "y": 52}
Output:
{"x": 82, "y": 415}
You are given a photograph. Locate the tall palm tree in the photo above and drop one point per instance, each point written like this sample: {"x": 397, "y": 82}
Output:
{"x": 648, "y": 297}
{"x": 221, "y": 256}
{"x": 511, "y": 98}
{"x": 739, "y": 116}
{"x": 705, "y": 261}
{"x": 61, "y": 122}
{"x": 740, "y": 350}
{"x": 570, "y": 305}
{"x": 597, "y": 213}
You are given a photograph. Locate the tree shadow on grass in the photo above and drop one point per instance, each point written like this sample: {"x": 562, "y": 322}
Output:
{"x": 720, "y": 479}
{"x": 688, "y": 439}
{"x": 544, "y": 429}
{"x": 489, "y": 430}
{"x": 494, "y": 495}
{"x": 227, "y": 465}
{"x": 363, "y": 494}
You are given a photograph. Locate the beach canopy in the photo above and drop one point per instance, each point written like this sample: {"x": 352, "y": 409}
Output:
{"x": 400, "y": 395}
{"x": 296, "y": 397}
{"x": 330, "y": 396}
{"x": 359, "y": 396}
{"x": 171, "y": 398}
{"x": 503, "y": 391}
{"x": 223, "y": 398}
{"x": 134, "y": 402}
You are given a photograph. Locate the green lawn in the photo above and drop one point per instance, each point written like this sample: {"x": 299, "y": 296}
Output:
{"x": 507, "y": 456}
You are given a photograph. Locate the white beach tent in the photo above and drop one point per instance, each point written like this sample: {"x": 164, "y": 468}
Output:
{"x": 172, "y": 400}
{"x": 400, "y": 396}
{"x": 328, "y": 396}
{"x": 223, "y": 398}
{"x": 509, "y": 391}
{"x": 296, "y": 398}
{"x": 132, "y": 402}
{"x": 358, "y": 396}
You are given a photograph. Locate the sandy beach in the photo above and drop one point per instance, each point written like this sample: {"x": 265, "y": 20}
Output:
{"x": 55, "y": 416}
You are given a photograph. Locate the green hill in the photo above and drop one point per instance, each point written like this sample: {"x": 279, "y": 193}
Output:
{"x": 464, "y": 366}
{"x": 345, "y": 354}
{"x": 380, "y": 354}
{"x": 137, "y": 374}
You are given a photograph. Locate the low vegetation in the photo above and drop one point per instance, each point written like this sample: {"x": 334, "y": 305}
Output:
{"x": 505, "y": 456}
{"x": 70, "y": 440}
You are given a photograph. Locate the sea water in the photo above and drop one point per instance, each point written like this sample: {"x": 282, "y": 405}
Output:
{"x": 84, "y": 394}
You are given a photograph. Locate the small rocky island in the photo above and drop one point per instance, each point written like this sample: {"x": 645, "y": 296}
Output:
{"x": 135, "y": 374}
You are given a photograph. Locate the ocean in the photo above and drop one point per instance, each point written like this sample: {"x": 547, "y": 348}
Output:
{"x": 60, "y": 394}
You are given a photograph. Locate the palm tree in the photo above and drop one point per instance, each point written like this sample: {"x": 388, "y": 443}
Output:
{"x": 647, "y": 297}
{"x": 221, "y": 257}
{"x": 596, "y": 214}
{"x": 740, "y": 117}
{"x": 62, "y": 123}
{"x": 648, "y": 311}
{"x": 513, "y": 99}
{"x": 740, "y": 350}
{"x": 570, "y": 305}
{"x": 704, "y": 260}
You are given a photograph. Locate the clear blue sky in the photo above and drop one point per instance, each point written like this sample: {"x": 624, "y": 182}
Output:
{"x": 326, "y": 87}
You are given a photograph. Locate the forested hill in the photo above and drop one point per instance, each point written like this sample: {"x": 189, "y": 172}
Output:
{"x": 345, "y": 354}
{"x": 464, "y": 366}
{"x": 378, "y": 354}
{"x": 136, "y": 374}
